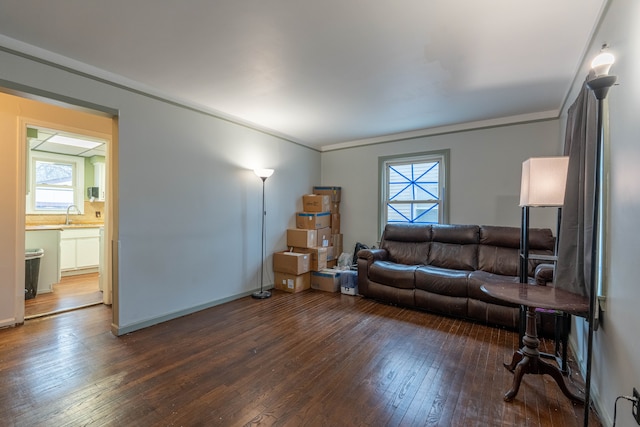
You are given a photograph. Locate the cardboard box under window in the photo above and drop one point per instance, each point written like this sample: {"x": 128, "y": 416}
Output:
{"x": 335, "y": 223}
{"x": 318, "y": 257}
{"x": 337, "y": 243}
{"x": 324, "y": 237}
{"x": 302, "y": 238}
{"x": 326, "y": 280}
{"x": 291, "y": 282}
{"x": 313, "y": 220}
{"x": 291, "y": 262}
{"x": 333, "y": 192}
{"x": 316, "y": 203}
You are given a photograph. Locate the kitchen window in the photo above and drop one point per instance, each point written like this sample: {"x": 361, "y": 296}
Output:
{"x": 56, "y": 182}
{"x": 413, "y": 188}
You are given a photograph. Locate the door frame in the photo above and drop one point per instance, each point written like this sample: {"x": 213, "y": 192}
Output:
{"x": 110, "y": 268}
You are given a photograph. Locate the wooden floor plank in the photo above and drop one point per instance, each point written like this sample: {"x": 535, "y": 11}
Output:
{"x": 312, "y": 359}
{"x": 71, "y": 293}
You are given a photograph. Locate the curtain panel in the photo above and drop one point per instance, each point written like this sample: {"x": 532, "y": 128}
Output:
{"x": 576, "y": 227}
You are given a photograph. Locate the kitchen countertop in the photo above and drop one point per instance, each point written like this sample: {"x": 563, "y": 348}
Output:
{"x": 61, "y": 226}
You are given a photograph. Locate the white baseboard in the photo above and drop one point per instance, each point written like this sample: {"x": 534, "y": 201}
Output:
{"x": 122, "y": 330}
{"x": 79, "y": 271}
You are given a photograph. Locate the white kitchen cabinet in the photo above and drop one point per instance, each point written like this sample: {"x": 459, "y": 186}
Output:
{"x": 79, "y": 250}
{"x": 100, "y": 180}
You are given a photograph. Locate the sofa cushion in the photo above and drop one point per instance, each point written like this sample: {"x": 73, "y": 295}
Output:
{"x": 452, "y": 256}
{"x": 453, "y": 233}
{"x": 392, "y": 274}
{"x": 442, "y": 281}
{"x": 479, "y": 278}
{"x": 454, "y": 247}
{"x": 499, "y": 260}
{"x": 499, "y": 249}
{"x": 407, "y": 243}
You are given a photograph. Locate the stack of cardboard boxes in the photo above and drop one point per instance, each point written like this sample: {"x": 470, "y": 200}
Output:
{"x": 314, "y": 246}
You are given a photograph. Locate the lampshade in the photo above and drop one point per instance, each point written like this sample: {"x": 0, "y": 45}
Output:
{"x": 263, "y": 173}
{"x": 543, "y": 181}
{"x": 602, "y": 63}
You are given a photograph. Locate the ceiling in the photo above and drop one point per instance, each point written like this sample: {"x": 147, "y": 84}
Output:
{"x": 323, "y": 73}
{"x": 43, "y": 139}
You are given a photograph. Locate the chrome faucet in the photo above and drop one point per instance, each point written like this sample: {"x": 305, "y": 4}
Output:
{"x": 67, "y": 221}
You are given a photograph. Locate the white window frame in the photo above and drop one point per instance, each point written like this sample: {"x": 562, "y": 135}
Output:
{"x": 441, "y": 156}
{"x": 78, "y": 181}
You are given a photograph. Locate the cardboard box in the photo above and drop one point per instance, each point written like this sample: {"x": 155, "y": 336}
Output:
{"x": 335, "y": 223}
{"x": 291, "y": 262}
{"x": 318, "y": 257}
{"x": 302, "y": 238}
{"x": 324, "y": 237}
{"x": 331, "y": 253}
{"x": 334, "y": 192}
{"x": 291, "y": 282}
{"x": 326, "y": 280}
{"x": 313, "y": 220}
{"x": 316, "y": 203}
{"x": 337, "y": 242}
{"x": 335, "y": 207}
{"x": 333, "y": 263}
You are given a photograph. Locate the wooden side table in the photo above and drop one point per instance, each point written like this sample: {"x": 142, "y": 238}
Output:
{"x": 527, "y": 360}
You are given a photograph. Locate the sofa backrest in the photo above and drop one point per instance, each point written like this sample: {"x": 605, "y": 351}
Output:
{"x": 454, "y": 246}
{"x": 407, "y": 243}
{"x": 499, "y": 249}
{"x": 493, "y": 249}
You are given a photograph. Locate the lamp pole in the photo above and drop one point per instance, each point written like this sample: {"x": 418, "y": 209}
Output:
{"x": 600, "y": 87}
{"x": 263, "y": 174}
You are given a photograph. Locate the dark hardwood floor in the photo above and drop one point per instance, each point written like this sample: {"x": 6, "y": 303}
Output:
{"x": 308, "y": 359}
{"x": 71, "y": 293}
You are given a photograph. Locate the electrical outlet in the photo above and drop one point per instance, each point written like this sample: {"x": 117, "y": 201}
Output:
{"x": 636, "y": 404}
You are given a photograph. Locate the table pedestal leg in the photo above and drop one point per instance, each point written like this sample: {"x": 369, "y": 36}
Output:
{"x": 527, "y": 361}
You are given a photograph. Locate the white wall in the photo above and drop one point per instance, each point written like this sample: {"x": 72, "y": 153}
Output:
{"x": 616, "y": 356}
{"x": 190, "y": 206}
{"x": 485, "y": 169}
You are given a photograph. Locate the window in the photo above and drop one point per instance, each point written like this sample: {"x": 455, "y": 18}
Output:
{"x": 56, "y": 182}
{"x": 413, "y": 188}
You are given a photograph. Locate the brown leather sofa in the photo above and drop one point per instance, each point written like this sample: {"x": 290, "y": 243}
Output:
{"x": 440, "y": 268}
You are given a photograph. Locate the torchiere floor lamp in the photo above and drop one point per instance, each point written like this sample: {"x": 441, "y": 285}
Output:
{"x": 600, "y": 86}
{"x": 263, "y": 174}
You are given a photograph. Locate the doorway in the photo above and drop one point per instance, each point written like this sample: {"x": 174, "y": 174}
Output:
{"x": 27, "y": 110}
{"x": 65, "y": 214}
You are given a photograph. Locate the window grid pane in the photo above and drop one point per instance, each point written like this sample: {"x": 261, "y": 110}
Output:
{"x": 54, "y": 189}
{"x": 413, "y": 192}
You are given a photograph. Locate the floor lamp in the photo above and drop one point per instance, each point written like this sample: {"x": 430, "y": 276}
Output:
{"x": 263, "y": 174}
{"x": 600, "y": 86}
{"x": 543, "y": 184}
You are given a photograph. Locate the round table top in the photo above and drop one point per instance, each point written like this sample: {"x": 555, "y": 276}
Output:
{"x": 536, "y": 296}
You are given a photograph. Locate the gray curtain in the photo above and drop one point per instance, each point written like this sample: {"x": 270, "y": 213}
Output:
{"x": 574, "y": 250}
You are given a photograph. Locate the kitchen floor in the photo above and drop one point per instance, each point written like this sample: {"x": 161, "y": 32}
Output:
{"x": 71, "y": 293}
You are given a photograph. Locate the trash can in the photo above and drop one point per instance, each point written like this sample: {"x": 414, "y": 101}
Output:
{"x": 32, "y": 272}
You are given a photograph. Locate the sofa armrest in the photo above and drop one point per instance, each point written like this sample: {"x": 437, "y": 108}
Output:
{"x": 544, "y": 274}
{"x": 366, "y": 258}
{"x": 372, "y": 255}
